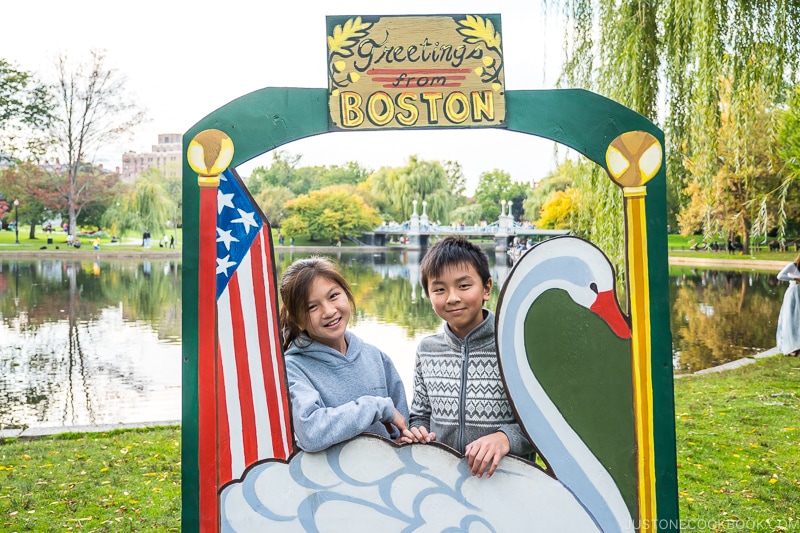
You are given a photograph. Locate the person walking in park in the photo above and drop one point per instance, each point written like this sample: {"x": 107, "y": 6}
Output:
{"x": 788, "y": 332}
{"x": 339, "y": 385}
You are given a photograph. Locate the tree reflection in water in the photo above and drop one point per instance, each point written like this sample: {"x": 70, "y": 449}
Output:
{"x": 88, "y": 342}
{"x": 722, "y": 315}
{"x": 92, "y": 343}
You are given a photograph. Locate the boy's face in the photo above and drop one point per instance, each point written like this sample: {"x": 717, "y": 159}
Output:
{"x": 457, "y": 295}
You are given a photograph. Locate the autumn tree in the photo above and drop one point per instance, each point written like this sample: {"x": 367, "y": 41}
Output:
{"x": 36, "y": 188}
{"x": 743, "y": 190}
{"x": 92, "y": 110}
{"x": 329, "y": 213}
{"x": 680, "y": 53}
{"x": 560, "y": 210}
{"x": 558, "y": 180}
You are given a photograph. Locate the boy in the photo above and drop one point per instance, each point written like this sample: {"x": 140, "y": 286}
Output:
{"x": 459, "y": 396}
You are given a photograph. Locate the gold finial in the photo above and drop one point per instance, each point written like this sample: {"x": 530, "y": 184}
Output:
{"x": 209, "y": 154}
{"x": 633, "y": 158}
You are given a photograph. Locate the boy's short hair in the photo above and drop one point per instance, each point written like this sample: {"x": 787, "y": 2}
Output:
{"x": 449, "y": 252}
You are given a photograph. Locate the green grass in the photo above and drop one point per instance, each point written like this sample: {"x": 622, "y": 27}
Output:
{"x": 130, "y": 242}
{"x": 100, "y": 482}
{"x": 738, "y": 447}
{"x": 678, "y": 245}
{"x": 738, "y": 450}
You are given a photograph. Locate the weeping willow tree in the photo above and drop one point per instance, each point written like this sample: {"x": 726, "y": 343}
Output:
{"x": 670, "y": 60}
{"x": 147, "y": 206}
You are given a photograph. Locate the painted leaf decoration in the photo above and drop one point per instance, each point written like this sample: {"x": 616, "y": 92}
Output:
{"x": 477, "y": 29}
{"x": 345, "y": 37}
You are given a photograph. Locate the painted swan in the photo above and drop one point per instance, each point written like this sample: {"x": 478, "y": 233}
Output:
{"x": 371, "y": 484}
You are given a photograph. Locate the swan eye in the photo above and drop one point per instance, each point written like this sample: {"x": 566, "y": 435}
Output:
{"x": 593, "y": 286}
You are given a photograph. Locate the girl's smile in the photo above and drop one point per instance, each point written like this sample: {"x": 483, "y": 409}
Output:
{"x": 328, "y": 313}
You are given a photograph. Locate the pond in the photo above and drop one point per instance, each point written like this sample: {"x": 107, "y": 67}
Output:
{"x": 85, "y": 342}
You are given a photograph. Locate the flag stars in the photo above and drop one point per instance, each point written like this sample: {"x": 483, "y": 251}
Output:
{"x": 223, "y": 264}
{"x": 246, "y": 219}
{"x": 223, "y": 200}
{"x": 226, "y": 238}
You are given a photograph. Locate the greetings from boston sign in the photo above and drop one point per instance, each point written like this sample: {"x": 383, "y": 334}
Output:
{"x": 398, "y": 72}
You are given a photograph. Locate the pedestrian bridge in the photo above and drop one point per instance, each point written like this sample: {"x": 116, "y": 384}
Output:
{"x": 419, "y": 230}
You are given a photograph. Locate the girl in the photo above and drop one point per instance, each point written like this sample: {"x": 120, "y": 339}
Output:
{"x": 339, "y": 385}
{"x": 788, "y": 333}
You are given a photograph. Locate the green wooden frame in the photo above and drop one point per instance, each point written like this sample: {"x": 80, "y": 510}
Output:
{"x": 271, "y": 117}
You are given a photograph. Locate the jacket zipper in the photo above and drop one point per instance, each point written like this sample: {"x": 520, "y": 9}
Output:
{"x": 462, "y": 404}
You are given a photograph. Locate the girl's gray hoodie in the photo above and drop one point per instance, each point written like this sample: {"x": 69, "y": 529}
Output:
{"x": 335, "y": 397}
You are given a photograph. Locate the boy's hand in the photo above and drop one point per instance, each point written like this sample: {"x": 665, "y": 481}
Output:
{"x": 422, "y": 435}
{"x": 487, "y": 451}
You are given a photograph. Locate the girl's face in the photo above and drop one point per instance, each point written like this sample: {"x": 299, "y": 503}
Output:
{"x": 328, "y": 313}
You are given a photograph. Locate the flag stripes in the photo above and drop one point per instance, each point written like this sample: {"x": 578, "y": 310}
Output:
{"x": 253, "y": 412}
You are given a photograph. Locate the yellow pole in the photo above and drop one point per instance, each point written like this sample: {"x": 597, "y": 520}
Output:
{"x": 639, "y": 293}
{"x": 632, "y": 159}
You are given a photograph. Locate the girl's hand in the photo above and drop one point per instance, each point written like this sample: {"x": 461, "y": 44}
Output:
{"x": 399, "y": 421}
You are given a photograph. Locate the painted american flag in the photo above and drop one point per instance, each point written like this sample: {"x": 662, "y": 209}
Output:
{"x": 252, "y": 412}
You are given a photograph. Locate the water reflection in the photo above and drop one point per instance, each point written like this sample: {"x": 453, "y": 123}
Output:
{"x": 721, "y": 315}
{"x": 90, "y": 343}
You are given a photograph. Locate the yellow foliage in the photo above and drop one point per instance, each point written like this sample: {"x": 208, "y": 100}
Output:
{"x": 560, "y": 209}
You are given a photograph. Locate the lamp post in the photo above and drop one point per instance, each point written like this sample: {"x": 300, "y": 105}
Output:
{"x": 16, "y": 221}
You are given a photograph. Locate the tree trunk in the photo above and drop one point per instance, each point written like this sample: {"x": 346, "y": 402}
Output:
{"x": 72, "y": 201}
{"x": 32, "y": 234}
{"x": 745, "y": 233}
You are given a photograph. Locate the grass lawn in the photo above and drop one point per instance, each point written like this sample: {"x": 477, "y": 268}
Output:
{"x": 129, "y": 242}
{"x": 737, "y": 446}
{"x": 678, "y": 245}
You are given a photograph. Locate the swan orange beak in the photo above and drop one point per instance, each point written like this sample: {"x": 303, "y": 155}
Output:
{"x": 605, "y": 306}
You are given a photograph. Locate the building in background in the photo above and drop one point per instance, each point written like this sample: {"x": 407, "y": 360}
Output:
{"x": 166, "y": 157}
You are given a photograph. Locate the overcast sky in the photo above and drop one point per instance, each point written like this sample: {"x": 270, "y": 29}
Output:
{"x": 173, "y": 53}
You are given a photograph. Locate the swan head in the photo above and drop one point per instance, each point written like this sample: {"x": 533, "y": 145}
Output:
{"x": 577, "y": 267}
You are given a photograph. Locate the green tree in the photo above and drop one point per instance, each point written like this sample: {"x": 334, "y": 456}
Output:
{"x": 788, "y": 194}
{"x": 562, "y": 177}
{"x": 469, "y": 214}
{"x": 272, "y": 201}
{"x": 395, "y": 189}
{"x": 26, "y": 113}
{"x": 681, "y": 53}
{"x": 92, "y": 110}
{"x": 424, "y": 181}
{"x": 284, "y": 171}
{"x": 330, "y": 213}
{"x": 494, "y": 187}
{"x": 351, "y": 173}
{"x": 381, "y": 185}
{"x": 147, "y": 206}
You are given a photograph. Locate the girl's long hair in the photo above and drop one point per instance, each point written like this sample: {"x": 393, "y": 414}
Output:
{"x": 294, "y": 288}
{"x": 797, "y": 261}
